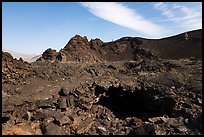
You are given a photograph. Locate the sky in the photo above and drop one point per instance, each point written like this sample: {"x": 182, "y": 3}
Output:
{"x": 33, "y": 27}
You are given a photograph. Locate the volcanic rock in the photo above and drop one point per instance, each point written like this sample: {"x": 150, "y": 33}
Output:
{"x": 105, "y": 88}
{"x": 52, "y": 129}
{"x": 49, "y": 54}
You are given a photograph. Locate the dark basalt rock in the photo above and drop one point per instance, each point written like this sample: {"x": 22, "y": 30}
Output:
{"x": 62, "y": 103}
{"x": 7, "y": 56}
{"x": 49, "y": 54}
{"x": 52, "y": 129}
{"x": 39, "y": 116}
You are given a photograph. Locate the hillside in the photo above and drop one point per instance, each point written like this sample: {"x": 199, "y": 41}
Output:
{"x": 177, "y": 47}
{"x": 79, "y": 49}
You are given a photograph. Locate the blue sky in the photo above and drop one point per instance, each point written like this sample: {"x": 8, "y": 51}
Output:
{"x": 32, "y": 27}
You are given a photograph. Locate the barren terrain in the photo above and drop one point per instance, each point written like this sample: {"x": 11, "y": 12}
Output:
{"x": 122, "y": 87}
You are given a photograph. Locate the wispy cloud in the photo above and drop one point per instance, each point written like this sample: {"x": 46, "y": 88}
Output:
{"x": 186, "y": 17}
{"x": 164, "y": 9}
{"x": 122, "y": 15}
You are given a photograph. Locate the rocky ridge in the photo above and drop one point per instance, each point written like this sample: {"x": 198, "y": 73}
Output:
{"x": 79, "y": 49}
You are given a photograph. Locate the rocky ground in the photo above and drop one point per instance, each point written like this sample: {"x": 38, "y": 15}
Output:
{"x": 144, "y": 96}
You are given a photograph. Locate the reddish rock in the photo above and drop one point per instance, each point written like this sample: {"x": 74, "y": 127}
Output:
{"x": 23, "y": 129}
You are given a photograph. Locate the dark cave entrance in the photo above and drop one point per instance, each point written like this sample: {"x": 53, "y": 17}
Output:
{"x": 134, "y": 104}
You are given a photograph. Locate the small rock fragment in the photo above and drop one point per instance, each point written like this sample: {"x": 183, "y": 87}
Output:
{"x": 65, "y": 120}
{"x": 52, "y": 129}
{"x": 62, "y": 102}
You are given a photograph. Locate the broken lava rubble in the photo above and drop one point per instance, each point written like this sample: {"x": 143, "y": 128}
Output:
{"x": 142, "y": 97}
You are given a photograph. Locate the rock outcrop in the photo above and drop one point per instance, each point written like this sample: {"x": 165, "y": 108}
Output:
{"x": 49, "y": 54}
{"x": 13, "y": 69}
